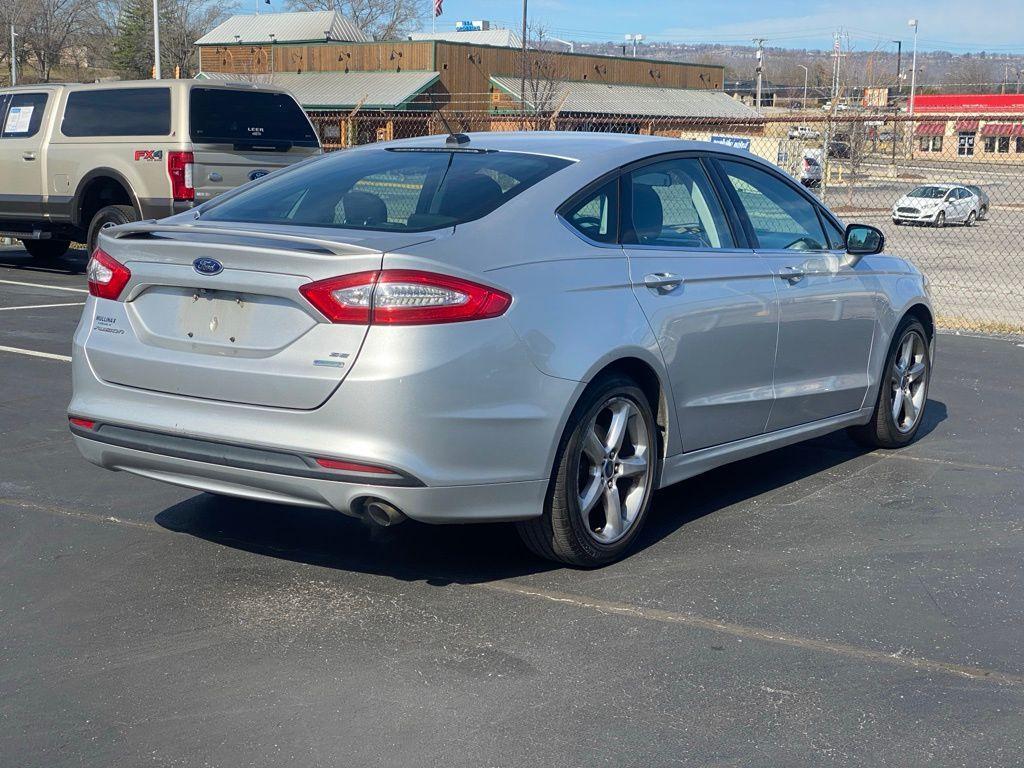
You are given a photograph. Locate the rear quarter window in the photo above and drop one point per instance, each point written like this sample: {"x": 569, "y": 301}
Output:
{"x": 118, "y": 112}
{"x": 252, "y": 119}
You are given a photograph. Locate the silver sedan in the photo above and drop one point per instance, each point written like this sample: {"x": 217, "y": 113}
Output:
{"x": 538, "y": 327}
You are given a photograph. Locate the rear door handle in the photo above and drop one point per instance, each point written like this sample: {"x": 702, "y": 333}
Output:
{"x": 28, "y": 155}
{"x": 662, "y": 282}
{"x": 792, "y": 274}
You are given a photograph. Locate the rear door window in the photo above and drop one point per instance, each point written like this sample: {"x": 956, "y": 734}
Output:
{"x": 389, "y": 189}
{"x": 118, "y": 112}
{"x": 24, "y": 115}
{"x": 250, "y": 119}
{"x": 674, "y": 205}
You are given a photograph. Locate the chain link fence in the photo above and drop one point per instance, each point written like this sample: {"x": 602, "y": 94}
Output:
{"x": 947, "y": 190}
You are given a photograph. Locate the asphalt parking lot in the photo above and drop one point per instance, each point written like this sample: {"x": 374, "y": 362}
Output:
{"x": 819, "y": 605}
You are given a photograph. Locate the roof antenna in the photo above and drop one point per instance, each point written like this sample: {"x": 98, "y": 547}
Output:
{"x": 453, "y": 137}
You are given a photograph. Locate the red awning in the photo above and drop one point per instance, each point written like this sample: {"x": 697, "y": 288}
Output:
{"x": 930, "y": 129}
{"x": 967, "y": 126}
{"x": 998, "y": 129}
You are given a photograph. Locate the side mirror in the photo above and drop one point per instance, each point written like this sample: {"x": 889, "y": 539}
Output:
{"x": 864, "y": 240}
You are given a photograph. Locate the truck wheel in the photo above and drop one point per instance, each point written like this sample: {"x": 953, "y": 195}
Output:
{"x": 46, "y": 249}
{"x": 111, "y": 216}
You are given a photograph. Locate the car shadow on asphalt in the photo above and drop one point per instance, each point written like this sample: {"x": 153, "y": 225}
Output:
{"x": 71, "y": 263}
{"x": 468, "y": 554}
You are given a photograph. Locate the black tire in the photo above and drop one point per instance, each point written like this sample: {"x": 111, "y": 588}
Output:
{"x": 110, "y": 216}
{"x": 983, "y": 213}
{"x": 940, "y": 220}
{"x": 971, "y": 218}
{"x": 560, "y": 533}
{"x": 46, "y": 249}
{"x": 881, "y": 431}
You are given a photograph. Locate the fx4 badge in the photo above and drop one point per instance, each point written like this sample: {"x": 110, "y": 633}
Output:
{"x": 149, "y": 154}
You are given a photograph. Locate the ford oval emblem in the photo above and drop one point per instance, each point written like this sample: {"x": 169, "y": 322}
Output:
{"x": 207, "y": 266}
{"x": 259, "y": 173}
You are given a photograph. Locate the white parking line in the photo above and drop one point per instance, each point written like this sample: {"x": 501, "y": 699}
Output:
{"x": 34, "y": 353}
{"x": 44, "y": 306}
{"x": 43, "y": 285}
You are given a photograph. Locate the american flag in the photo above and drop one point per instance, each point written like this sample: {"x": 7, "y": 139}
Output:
{"x": 438, "y": 7}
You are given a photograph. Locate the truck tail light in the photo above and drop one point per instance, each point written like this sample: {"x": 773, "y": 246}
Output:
{"x": 404, "y": 297}
{"x": 107, "y": 276}
{"x": 179, "y": 168}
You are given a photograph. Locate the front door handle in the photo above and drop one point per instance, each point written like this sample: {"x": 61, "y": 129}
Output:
{"x": 662, "y": 282}
{"x": 28, "y": 155}
{"x": 792, "y": 274}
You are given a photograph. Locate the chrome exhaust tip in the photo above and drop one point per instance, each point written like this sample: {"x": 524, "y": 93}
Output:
{"x": 382, "y": 513}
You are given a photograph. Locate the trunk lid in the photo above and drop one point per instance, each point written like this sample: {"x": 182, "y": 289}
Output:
{"x": 240, "y": 333}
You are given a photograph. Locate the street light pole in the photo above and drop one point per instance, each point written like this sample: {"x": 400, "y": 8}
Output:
{"x": 156, "y": 41}
{"x": 805, "y": 86}
{"x": 14, "y": 58}
{"x": 913, "y": 67}
{"x": 522, "y": 66}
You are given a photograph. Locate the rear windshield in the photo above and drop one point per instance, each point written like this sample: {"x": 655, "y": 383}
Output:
{"x": 252, "y": 119}
{"x": 389, "y": 189}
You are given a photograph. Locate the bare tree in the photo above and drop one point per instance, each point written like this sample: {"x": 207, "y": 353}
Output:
{"x": 544, "y": 73}
{"x": 47, "y": 30}
{"x": 381, "y": 19}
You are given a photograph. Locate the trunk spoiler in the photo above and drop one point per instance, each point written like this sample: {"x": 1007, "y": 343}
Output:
{"x": 142, "y": 230}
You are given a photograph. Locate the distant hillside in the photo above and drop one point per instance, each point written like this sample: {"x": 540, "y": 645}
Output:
{"x": 939, "y": 71}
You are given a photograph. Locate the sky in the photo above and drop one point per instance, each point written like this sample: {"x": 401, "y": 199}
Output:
{"x": 953, "y": 25}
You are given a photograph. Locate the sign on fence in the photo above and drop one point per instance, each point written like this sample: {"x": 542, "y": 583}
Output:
{"x": 736, "y": 142}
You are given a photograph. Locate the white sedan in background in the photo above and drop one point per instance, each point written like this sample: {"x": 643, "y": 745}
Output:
{"x": 937, "y": 205}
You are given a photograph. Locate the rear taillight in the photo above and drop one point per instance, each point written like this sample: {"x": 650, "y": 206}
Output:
{"x": 179, "y": 168}
{"x": 404, "y": 297}
{"x": 81, "y": 423}
{"x": 107, "y": 276}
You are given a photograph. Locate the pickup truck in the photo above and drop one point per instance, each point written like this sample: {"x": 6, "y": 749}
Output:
{"x": 77, "y": 158}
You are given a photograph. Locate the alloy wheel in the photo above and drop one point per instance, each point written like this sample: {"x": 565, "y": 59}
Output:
{"x": 614, "y": 464}
{"x": 907, "y": 382}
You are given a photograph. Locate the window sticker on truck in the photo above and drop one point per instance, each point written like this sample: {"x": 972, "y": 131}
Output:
{"x": 19, "y": 119}
{"x": 149, "y": 154}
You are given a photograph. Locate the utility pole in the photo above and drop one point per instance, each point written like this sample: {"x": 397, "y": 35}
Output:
{"x": 522, "y": 66}
{"x": 14, "y": 58}
{"x": 759, "y": 42}
{"x": 804, "y": 107}
{"x": 899, "y": 66}
{"x": 156, "y": 40}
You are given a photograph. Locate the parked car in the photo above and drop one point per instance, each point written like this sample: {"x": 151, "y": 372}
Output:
{"x": 77, "y": 158}
{"x": 810, "y": 171}
{"x": 839, "y": 146}
{"x": 937, "y": 205}
{"x": 803, "y": 132}
{"x": 984, "y": 203}
{"x": 541, "y": 327}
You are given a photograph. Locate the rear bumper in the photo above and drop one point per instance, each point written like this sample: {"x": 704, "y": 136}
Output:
{"x": 459, "y": 408}
{"x": 451, "y": 504}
